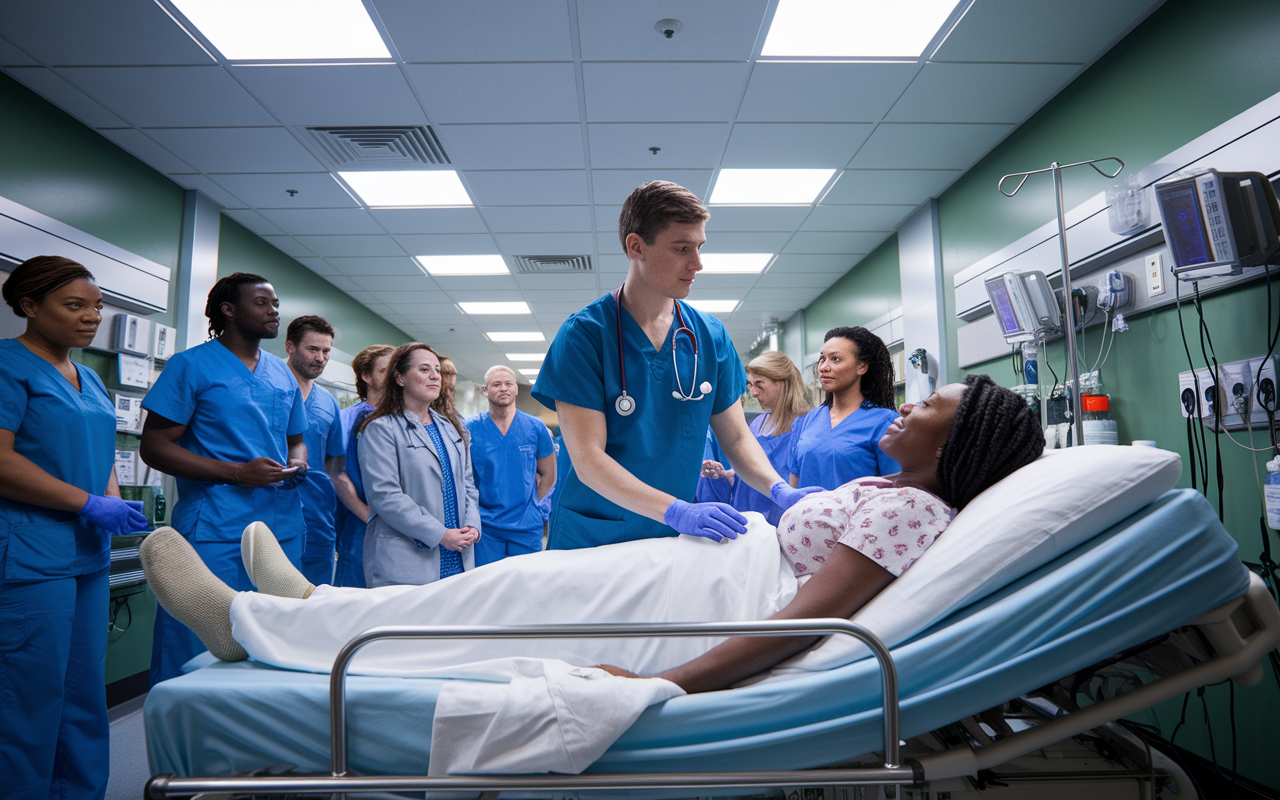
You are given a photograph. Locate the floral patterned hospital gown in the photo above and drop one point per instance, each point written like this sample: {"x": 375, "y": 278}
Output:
{"x": 889, "y": 525}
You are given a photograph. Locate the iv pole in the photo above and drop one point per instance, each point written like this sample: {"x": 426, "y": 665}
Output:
{"x": 1069, "y": 319}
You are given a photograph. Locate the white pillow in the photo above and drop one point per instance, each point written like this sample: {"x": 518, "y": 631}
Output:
{"x": 1048, "y": 507}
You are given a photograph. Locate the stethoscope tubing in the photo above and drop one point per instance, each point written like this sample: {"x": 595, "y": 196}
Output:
{"x": 625, "y": 405}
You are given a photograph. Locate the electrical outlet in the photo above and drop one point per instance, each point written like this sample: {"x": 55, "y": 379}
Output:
{"x": 1243, "y": 388}
{"x": 1236, "y": 381}
{"x": 1198, "y": 395}
{"x": 1155, "y": 274}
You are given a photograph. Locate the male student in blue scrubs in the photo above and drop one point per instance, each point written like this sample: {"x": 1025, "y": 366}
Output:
{"x": 308, "y": 342}
{"x": 227, "y": 420}
{"x": 633, "y": 411}
{"x": 515, "y": 466}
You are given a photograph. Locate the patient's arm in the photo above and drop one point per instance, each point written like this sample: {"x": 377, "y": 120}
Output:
{"x": 845, "y": 584}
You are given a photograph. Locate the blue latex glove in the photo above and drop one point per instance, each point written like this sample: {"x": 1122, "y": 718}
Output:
{"x": 786, "y": 495}
{"x": 115, "y": 516}
{"x": 714, "y": 521}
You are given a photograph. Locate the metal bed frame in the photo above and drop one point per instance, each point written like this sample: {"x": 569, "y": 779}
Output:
{"x": 1240, "y": 632}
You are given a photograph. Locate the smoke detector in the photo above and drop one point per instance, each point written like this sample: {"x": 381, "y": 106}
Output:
{"x": 668, "y": 27}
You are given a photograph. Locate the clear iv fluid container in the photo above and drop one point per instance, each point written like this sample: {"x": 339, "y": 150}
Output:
{"x": 1095, "y": 405}
{"x": 1271, "y": 493}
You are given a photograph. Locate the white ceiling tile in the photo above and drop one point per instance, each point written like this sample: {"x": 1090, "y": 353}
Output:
{"x": 920, "y": 146}
{"x": 778, "y": 306}
{"x": 835, "y": 242}
{"x": 823, "y": 92}
{"x": 319, "y": 266}
{"x": 809, "y": 280}
{"x": 612, "y": 260}
{"x": 1014, "y": 30}
{"x": 370, "y": 94}
{"x": 271, "y": 190}
{"x": 254, "y": 222}
{"x": 606, "y": 217}
{"x": 12, "y": 56}
{"x": 321, "y": 221}
{"x": 351, "y": 245}
{"x": 236, "y": 149}
{"x": 147, "y": 151}
{"x": 616, "y": 185}
{"x": 734, "y": 285}
{"x": 746, "y": 241}
{"x": 478, "y": 30}
{"x": 535, "y": 219}
{"x": 896, "y": 186}
{"x": 391, "y": 285}
{"x": 288, "y": 246}
{"x": 447, "y": 244}
{"x": 52, "y": 87}
{"x": 429, "y": 220}
{"x": 497, "y": 296}
{"x": 473, "y": 93}
{"x": 60, "y": 32}
{"x": 963, "y": 92}
{"x": 794, "y": 145}
{"x": 178, "y": 97}
{"x": 663, "y": 92}
{"x": 579, "y": 297}
{"x": 544, "y": 244}
{"x": 342, "y": 282}
{"x": 364, "y": 266}
{"x": 209, "y": 189}
{"x": 548, "y": 308}
{"x": 528, "y": 187}
{"x": 712, "y": 30}
{"x": 425, "y": 300}
{"x": 488, "y": 283}
{"x": 473, "y": 147}
{"x": 832, "y": 264}
{"x": 755, "y": 218}
{"x": 683, "y": 145}
{"x": 857, "y": 218}
{"x": 556, "y": 280}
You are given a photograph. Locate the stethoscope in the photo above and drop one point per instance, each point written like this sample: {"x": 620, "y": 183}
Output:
{"x": 625, "y": 405}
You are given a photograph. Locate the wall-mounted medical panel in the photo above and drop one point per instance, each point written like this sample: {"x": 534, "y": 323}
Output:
{"x": 127, "y": 280}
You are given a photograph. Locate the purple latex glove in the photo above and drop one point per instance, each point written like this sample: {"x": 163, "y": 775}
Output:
{"x": 115, "y": 516}
{"x": 786, "y": 495}
{"x": 714, "y": 521}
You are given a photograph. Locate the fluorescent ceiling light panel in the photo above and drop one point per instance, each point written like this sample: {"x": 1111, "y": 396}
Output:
{"x": 286, "y": 30}
{"x": 714, "y": 306}
{"x": 408, "y": 188}
{"x": 725, "y": 263}
{"x": 769, "y": 187}
{"x": 516, "y": 307}
{"x": 855, "y": 28}
{"x": 532, "y": 373}
{"x": 515, "y": 336}
{"x": 446, "y": 266}
{"x": 526, "y": 356}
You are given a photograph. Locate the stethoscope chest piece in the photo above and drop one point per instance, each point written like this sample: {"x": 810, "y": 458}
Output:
{"x": 624, "y": 405}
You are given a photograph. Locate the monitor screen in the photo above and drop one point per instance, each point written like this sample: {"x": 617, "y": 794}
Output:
{"x": 1184, "y": 230}
{"x": 1003, "y": 307}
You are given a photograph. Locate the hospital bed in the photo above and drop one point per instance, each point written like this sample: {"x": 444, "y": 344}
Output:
{"x": 1167, "y": 567}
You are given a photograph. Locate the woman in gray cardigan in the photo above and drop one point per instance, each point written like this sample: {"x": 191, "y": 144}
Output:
{"x": 416, "y": 468}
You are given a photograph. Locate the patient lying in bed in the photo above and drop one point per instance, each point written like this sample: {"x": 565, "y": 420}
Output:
{"x": 959, "y": 441}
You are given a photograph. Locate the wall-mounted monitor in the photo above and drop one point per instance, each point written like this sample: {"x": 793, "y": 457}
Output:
{"x": 1218, "y": 223}
{"x": 1025, "y": 306}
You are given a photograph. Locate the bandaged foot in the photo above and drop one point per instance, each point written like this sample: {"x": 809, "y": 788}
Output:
{"x": 190, "y": 592}
{"x": 269, "y": 568}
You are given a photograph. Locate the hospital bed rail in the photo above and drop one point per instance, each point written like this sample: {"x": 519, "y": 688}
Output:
{"x": 891, "y": 775}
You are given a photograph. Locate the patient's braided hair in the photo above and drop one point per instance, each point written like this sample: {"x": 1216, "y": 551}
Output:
{"x": 993, "y": 434}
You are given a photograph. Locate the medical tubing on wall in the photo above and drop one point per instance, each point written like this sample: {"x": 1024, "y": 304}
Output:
{"x": 1192, "y": 416}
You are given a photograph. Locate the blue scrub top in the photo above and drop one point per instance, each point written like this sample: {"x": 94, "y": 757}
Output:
{"x": 661, "y": 442}
{"x": 69, "y": 434}
{"x": 506, "y": 470}
{"x": 714, "y": 490}
{"x": 324, "y": 439}
{"x": 235, "y": 415}
{"x": 827, "y": 457}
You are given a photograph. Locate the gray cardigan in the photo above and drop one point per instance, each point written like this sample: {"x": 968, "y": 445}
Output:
{"x": 402, "y": 480}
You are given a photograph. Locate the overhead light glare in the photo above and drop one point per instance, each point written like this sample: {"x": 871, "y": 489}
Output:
{"x": 526, "y": 356}
{"x": 408, "y": 188}
{"x": 855, "y": 28}
{"x": 532, "y": 373}
{"x": 482, "y": 308}
{"x": 515, "y": 336}
{"x": 448, "y": 266}
{"x": 714, "y": 306}
{"x": 770, "y": 187}
{"x": 729, "y": 263}
{"x": 286, "y": 30}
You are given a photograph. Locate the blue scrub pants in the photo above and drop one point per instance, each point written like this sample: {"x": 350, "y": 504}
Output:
{"x": 172, "y": 643}
{"x": 349, "y": 570}
{"x": 54, "y": 735}
{"x": 496, "y": 544}
{"x": 317, "y": 561}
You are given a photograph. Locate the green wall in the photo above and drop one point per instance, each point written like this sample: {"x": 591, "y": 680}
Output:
{"x": 868, "y": 291}
{"x": 1142, "y": 100}
{"x": 302, "y": 292}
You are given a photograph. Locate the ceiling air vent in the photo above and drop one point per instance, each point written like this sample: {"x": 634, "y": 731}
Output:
{"x": 380, "y": 147}
{"x": 526, "y": 264}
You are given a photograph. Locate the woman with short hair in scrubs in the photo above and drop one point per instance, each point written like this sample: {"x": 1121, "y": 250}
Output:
{"x": 839, "y": 440}
{"x": 777, "y": 385}
{"x": 59, "y": 508}
{"x": 424, "y": 508}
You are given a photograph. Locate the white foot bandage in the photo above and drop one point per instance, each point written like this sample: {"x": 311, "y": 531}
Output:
{"x": 268, "y": 567}
{"x": 189, "y": 591}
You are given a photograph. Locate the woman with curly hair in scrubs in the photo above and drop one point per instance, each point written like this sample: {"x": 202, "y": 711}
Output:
{"x": 59, "y": 508}
{"x": 840, "y": 439}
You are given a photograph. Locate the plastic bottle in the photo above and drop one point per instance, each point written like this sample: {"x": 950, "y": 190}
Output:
{"x": 1271, "y": 493}
{"x": 1095, "y": 405}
